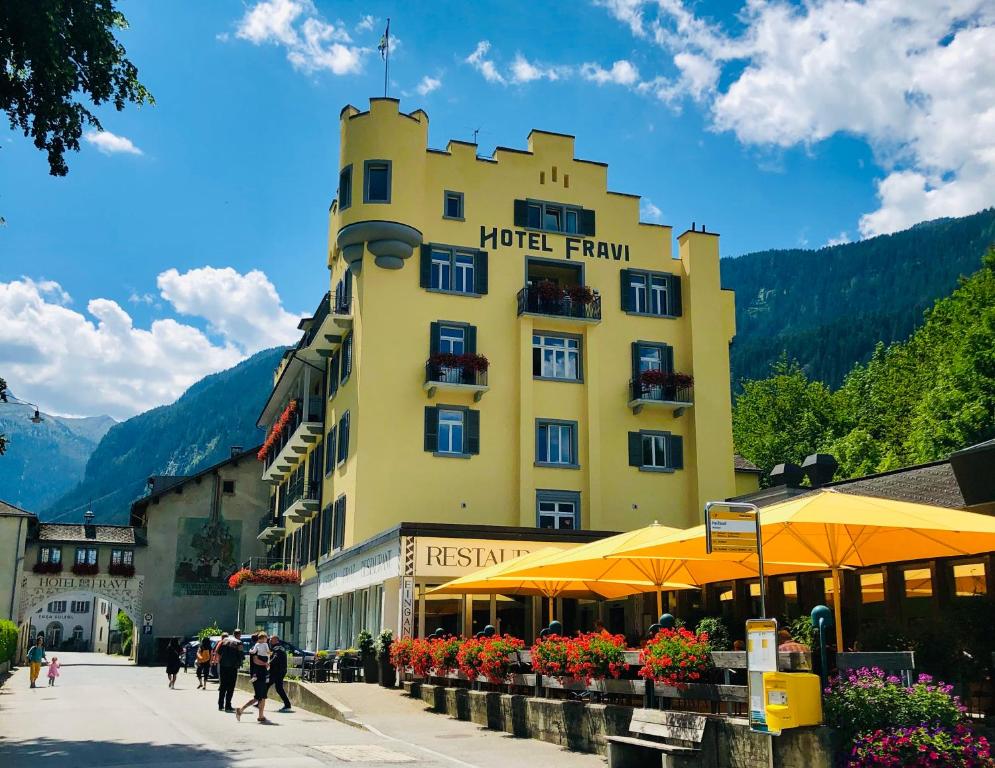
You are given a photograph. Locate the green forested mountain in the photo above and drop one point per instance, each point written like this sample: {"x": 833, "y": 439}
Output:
{"x": 198, "y": 430}
{"x": 912, "y": 402}
{"x": 828, "y": 309}
{"x": 44, "y": 460}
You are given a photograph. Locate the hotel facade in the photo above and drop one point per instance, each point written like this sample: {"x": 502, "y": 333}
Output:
{"x": 507, "y": 359}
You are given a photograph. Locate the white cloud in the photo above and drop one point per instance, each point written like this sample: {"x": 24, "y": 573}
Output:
{"x": 111, "y": 144}
{"x": 915, "y": 80}
{"x": 484, "y": 65}
{"x": 366, "y": 23}
{"x": 622, "y": 73}
{"x": 648, "y": 211}
{"x": 311, "y": 43}
{"x": 97, "y": 361}
{"x": 427, "y": 85}
{"x": 141, "y": 298}
{"x": 841, "y": 239}
{"x": 525, "y": 71}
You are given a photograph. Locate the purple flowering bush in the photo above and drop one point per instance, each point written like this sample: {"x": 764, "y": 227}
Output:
{"x": 890, "y": 724}
{"x": 921, "y": 746}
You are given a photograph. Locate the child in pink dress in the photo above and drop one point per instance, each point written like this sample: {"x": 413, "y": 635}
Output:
{"x": 53, "y": 670}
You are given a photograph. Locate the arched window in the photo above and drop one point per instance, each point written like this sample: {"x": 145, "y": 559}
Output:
{"x": 53, "y": 635}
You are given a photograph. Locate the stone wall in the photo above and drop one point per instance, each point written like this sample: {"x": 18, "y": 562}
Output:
{"x": 728, "y": 743}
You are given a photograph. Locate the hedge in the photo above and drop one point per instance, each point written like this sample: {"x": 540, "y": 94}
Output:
{"x": 8, "y": 640}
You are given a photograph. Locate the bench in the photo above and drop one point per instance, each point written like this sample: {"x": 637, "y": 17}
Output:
{"x": 664, "y": 738}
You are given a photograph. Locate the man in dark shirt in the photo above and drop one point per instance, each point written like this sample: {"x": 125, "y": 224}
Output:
{"x": 278, "y": 670}
{"x": 230, "y": 656}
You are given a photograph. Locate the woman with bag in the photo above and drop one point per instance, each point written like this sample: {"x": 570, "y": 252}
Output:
{"x": 203, "y": 662}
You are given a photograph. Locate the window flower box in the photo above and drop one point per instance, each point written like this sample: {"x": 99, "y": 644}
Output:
{"x": 263, "y": 576}
{"x": 85, "y": 569}
{"x": 121, "y": 569}
{"x": 47, "y": 568}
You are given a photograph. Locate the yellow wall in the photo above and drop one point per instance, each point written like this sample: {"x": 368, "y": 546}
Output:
{"x": 747, "y": 482}
{"x": 389, "y": 477}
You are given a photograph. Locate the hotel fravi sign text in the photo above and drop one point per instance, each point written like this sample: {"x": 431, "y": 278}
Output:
{"x": 451, "y": 558}
{"x": 570, "y": 247}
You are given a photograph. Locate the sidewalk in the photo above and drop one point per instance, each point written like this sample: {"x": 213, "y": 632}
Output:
{"x": 392, "y": 714}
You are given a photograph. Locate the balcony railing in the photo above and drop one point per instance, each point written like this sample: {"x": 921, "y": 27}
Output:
{"x": 315, "y": 412}
{"x": 319, "y": 317}
{"x": 299, "y": 490}
{"x": 664, "y": 393}
{"x": 464, "y": 375}
{"x": 537, "y": 301}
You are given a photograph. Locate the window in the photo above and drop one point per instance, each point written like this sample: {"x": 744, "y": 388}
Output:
{"x": 969, "y": 579}
{"x": 57, "y": 606}
{"x": 453, "y": 206}
{"x": 327, "y": 519}
{"x": 86, "y": 556}
{"x": 918, "y": 583}
{"x": 651, "y": 356}
{"x": 452, "y": 339}
{"x": 871, "y": 587}
{"x": 338, "y": 533}
{"x": 556, "y": 357}
{"x": 80, "y": 606}
{"x": 228, "y": 486}
{"x": 346, "y": 359}
{"x": 50, "y": 555}
{"x": 333, "y": 375}
{"x": 376, "y": 181}
{"x": 345, "y": 187}
{"x": 651, "y": 293}
{"x": 454, "y": 269}
{"x": 452, "y": 430}
{"x": 343, "y": 447}
{"x": 656, "y": 451}
{"x": 122, "y": 557}
{"x": 554, "y": 217}
{"x": 77, "y": 634}
{"x": 556, "y": 443}
{"x": 558, "y": 510}
{"x": 330, "y": 450}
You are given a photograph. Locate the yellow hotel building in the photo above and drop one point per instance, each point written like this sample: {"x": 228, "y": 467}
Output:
{"x": 508, "y": 359}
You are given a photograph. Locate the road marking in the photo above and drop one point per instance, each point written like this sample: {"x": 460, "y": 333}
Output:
{"x": 366, "y": 753}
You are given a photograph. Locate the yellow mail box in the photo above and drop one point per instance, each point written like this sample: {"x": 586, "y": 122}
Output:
{"x": 792, "y": 699}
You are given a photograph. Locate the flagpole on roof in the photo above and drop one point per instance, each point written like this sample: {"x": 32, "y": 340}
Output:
{"x": 385, "y": 55}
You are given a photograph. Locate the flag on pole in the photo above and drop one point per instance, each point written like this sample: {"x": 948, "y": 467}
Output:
{"x": 384, "y": 42}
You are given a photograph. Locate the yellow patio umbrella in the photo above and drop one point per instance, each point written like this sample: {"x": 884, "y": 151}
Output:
{"x": 829, "y": 530}
{"x": 498, "y": 579}
{"x": 601, "y": 562}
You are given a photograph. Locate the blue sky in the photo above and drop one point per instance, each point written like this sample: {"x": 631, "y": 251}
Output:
{"x": 193, "y": 232}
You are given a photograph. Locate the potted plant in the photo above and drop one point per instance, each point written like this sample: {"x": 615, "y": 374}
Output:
{"x": 494, "y": 662}
{"x": 387, "y": 673}
{"x": 676, "y": 657}
{"x": 595, "y": 656}
{"x": 47, "y": 568}
{"x": 421, "y": 658}
{"x": 549, "y": 656}
{"x": 444, "y": 655}
{"x": 549, "y": 293}
{"x": 368, "y": 656}
{"x": 580, "y": 294}
{"x": 400, "y": 654}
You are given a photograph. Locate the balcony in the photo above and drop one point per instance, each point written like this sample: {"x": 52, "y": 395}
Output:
{"x": 271, "y": 529}
{"x": 301, "y": 501}
{"x": 456, "y": 373}
{"x": 547, "y": 299}
{"x": 300, "y": 434}
{"x": 674, "y": 391}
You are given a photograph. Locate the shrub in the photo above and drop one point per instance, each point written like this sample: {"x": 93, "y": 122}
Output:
{"x": 400, "y": 652}
{"x": 920, "y": 746}
{"x": 494, "y": 663}
{"x": 803, "y": 632}
{"x": 549, "y": 656}
{"x": 212, "y": 631}
{"x": 868, "y": 700}
{"x": 421, "y": 657}
{"x": 364, "y": 641}
{"x": 8, "y": 640}
{"x": 469, "y": 658}
{"x": 444, "y": 654}
{"x": 718, "y": 635}
{"x": 676, "y": 657}
{"x": 595, "y": 656}
{"x": 127, "y": 628}
{"x": 384, "y": 641}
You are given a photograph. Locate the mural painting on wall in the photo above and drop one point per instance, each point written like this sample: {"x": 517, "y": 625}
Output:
{"x": 207, "y": 551}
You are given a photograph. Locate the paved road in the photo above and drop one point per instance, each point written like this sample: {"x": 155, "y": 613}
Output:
{"x": 105, "y": 713}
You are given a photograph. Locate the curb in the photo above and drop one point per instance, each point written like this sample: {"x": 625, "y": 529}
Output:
{"x": 313, "y": 699}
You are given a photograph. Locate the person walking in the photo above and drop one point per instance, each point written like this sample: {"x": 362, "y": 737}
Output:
{"x": 203, "y": 662}
{"x": 229, "y": 661}
{"x": 258, "y": 669}
{"x": 278, "y": 670}
{"x": 173, "y": 662}
{"x": 53, "y": 670}
{"x": 35, "y": 658}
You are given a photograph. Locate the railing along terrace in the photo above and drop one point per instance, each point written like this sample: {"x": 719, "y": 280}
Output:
{"x": 285, "y": 434}
{"x": 268, "y": 521}
{"x": 667, "y": 393}
{"x": 459, "y": 374}
{"x": 256, "y": 563}
{"x": 535, "y": 300}
{"x": 319, "y": 316}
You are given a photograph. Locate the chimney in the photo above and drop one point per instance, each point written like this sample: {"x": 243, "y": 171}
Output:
{"x": 820, "y": 468}
{"x": 89, "y": 529}
{"x": 787, "y": 474}
{"x": 236, "y": 450}
{"x": 972, "y": 468}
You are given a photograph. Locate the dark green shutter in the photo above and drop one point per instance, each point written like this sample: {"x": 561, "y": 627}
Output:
{"x": 635, "y": 449}
{"x": 480, "y": 272}
{"x": 471, "y": 339}
{"x": 521, "y": 213}
{"x": 340, "y": 520}
{"x": 472, "y": 432}
{"x": 668, "y": 358}
{"x": 536, "y": 360}
{"x": 333, "y": 375}
{"x": 433, "y": 338}
{"x": 347, "y": 358}
{"x": 330, "y": 450}
{"x": 426, "y": 266}
{"x": 676, "y": 452}
{"x": 635, "y": 359}
{"x": 587, "y": 222}
{"x": 675, "y": 307}
{"x": 626, "y": 293}
{"x": 347, "y": 289}
{"x": 431, "y": 428}
{"x": 344, "y": 436}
